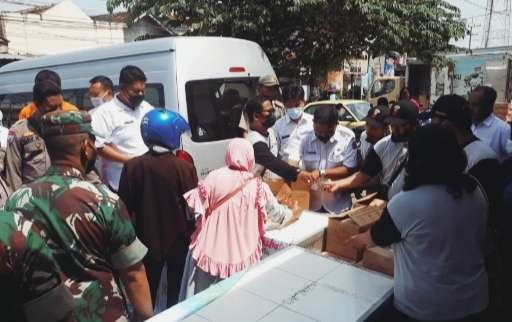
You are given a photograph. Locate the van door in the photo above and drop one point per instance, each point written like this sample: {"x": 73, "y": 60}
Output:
{"x": 214, "y": 109}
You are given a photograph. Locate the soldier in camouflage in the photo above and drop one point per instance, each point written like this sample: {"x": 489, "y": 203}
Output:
{"x": 32, "y": 289}
{"x": 87, "y": 227}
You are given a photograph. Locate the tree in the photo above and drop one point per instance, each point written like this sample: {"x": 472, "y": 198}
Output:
{"x": 315, "y": 34}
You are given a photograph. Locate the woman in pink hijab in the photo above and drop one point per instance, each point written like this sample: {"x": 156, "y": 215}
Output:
{"x": 232, "y": 206}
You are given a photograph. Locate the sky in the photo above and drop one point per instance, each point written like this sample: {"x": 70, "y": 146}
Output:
{"x": 91, "y": 7}
{"x": 472, "y": 10}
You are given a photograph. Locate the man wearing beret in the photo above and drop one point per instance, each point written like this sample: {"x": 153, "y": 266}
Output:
{"x": 87, "y": 227}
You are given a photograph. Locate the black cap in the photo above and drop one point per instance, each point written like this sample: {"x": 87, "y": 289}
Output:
{"x": 402, "y": 112}
{"x": 377, "y": 115}
{"x": 453, "y": 108}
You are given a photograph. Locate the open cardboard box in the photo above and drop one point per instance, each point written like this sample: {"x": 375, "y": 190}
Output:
{"x": 344, "y": 226}
{"x": 299, "y": 192}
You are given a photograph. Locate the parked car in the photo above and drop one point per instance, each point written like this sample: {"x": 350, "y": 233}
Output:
{"x": 350, "y": 112}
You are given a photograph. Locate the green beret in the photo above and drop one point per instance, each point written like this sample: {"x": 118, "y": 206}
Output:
{"x": 65, "y": 123}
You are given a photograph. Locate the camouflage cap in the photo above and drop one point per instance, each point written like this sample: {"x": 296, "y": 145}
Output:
{"x": 66, "y": 123}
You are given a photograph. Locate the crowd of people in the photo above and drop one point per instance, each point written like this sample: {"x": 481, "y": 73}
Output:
{"x": 98, "y": 204}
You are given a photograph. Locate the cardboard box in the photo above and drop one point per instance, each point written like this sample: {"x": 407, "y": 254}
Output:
{"x": 340, "y": 228}
{"x": 364, "y": 217}
{"x": 302, "y": 198}
{"x": 379, "y": 259}
{"x": 275, "y": 185}
{"x": 338, "y": 231}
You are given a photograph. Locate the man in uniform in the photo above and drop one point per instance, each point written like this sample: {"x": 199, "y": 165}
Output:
{"x": 117, "y": 124}
{"x": 329, "y": 152}
{"x": 388, "y": 157}
{"x": 26, "y": 157}
{"x": 87, "y": 228}
{"x": 291, "y": 128}
{"x": 32, "y": 289}
{"x": 51, "y": 76}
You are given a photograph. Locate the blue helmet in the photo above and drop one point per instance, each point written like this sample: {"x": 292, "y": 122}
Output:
{"x": 163, "y": 127}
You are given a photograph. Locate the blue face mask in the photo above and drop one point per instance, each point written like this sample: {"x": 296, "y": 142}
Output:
{"x": 294, "y": 113}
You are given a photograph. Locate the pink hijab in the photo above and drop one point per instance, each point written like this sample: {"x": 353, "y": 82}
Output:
{"x": 230, "y": 238}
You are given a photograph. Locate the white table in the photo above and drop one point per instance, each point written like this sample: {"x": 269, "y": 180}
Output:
{"x": 305, "y": 232}
{"x": 295, "y": 285}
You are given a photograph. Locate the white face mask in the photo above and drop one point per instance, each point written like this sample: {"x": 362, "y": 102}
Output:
{"x": 98, "y": 100}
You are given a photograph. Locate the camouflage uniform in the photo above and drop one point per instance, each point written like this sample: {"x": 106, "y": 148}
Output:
{"x": 29, "y": 274}
{"x": 26, "y": 158}
{"x": 87, "y": 228}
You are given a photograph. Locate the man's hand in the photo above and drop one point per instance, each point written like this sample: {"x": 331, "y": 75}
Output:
{"x": 334, "y": 186}
{"x": 315, "y": 175}
{"x": 306, "y": 177}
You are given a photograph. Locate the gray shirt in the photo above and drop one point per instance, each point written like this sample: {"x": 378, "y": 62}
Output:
{"x": 439, "y": 262}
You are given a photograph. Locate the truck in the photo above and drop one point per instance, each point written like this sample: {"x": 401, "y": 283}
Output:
{"x": 460, "y": 74}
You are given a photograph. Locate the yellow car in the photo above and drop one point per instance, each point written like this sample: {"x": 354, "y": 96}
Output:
{"x": 350, "y": 112}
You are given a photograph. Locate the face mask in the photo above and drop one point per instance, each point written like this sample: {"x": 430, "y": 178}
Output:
{"x": 294, "y": 113}
{"x": 270, "y": 121}
{"x": 98, "y": 100}
{"x": 136, "y": 100}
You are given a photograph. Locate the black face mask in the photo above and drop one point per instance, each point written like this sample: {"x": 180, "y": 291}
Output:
{"x": 135, "y": 100}
{"x": 270, "y": 121}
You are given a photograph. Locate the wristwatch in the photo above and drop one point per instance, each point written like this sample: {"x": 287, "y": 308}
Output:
{"x": 322, "y": 173}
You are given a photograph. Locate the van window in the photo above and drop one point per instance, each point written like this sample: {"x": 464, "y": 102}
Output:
{"x": 80, "y": 97}
{"x": 383, "y": 87}
{"x": 11, "y": 104}
{"x": 215, "y": 107}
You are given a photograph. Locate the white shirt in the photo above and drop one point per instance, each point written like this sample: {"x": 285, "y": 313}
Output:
{"x": 391, "y": 155}
{"x": 4, "y": 133}
{"x": 116, "y": 124}
{"x": 364, "y": 146}
{"x": 271, "y": 141}
{"x": 495, "y": 133}
{"x": 289, "y": 135}
{"x": 339, "y": 151}
{"x": 439, "y": 264}
{"x": 477, "y": 151}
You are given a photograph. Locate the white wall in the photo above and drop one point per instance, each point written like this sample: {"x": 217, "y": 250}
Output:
{"x": 62, "y": 28}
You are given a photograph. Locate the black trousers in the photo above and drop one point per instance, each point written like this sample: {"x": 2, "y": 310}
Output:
{"x": 175, "y": 260}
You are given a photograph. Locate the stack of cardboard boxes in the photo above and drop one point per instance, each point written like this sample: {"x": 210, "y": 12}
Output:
{"x": 342, "y": 227}
{"x": 345, "y": 226}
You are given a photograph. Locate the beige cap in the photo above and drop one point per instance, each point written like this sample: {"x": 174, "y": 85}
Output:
{"x": 269, "y": 80}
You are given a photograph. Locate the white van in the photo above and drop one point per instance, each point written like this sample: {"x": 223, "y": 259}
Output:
{"x": 205, "y": 79}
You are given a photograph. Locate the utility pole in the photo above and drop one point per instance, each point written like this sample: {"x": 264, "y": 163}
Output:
{"x": 490, "y": 7}
{"x": 470, "y": 36}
